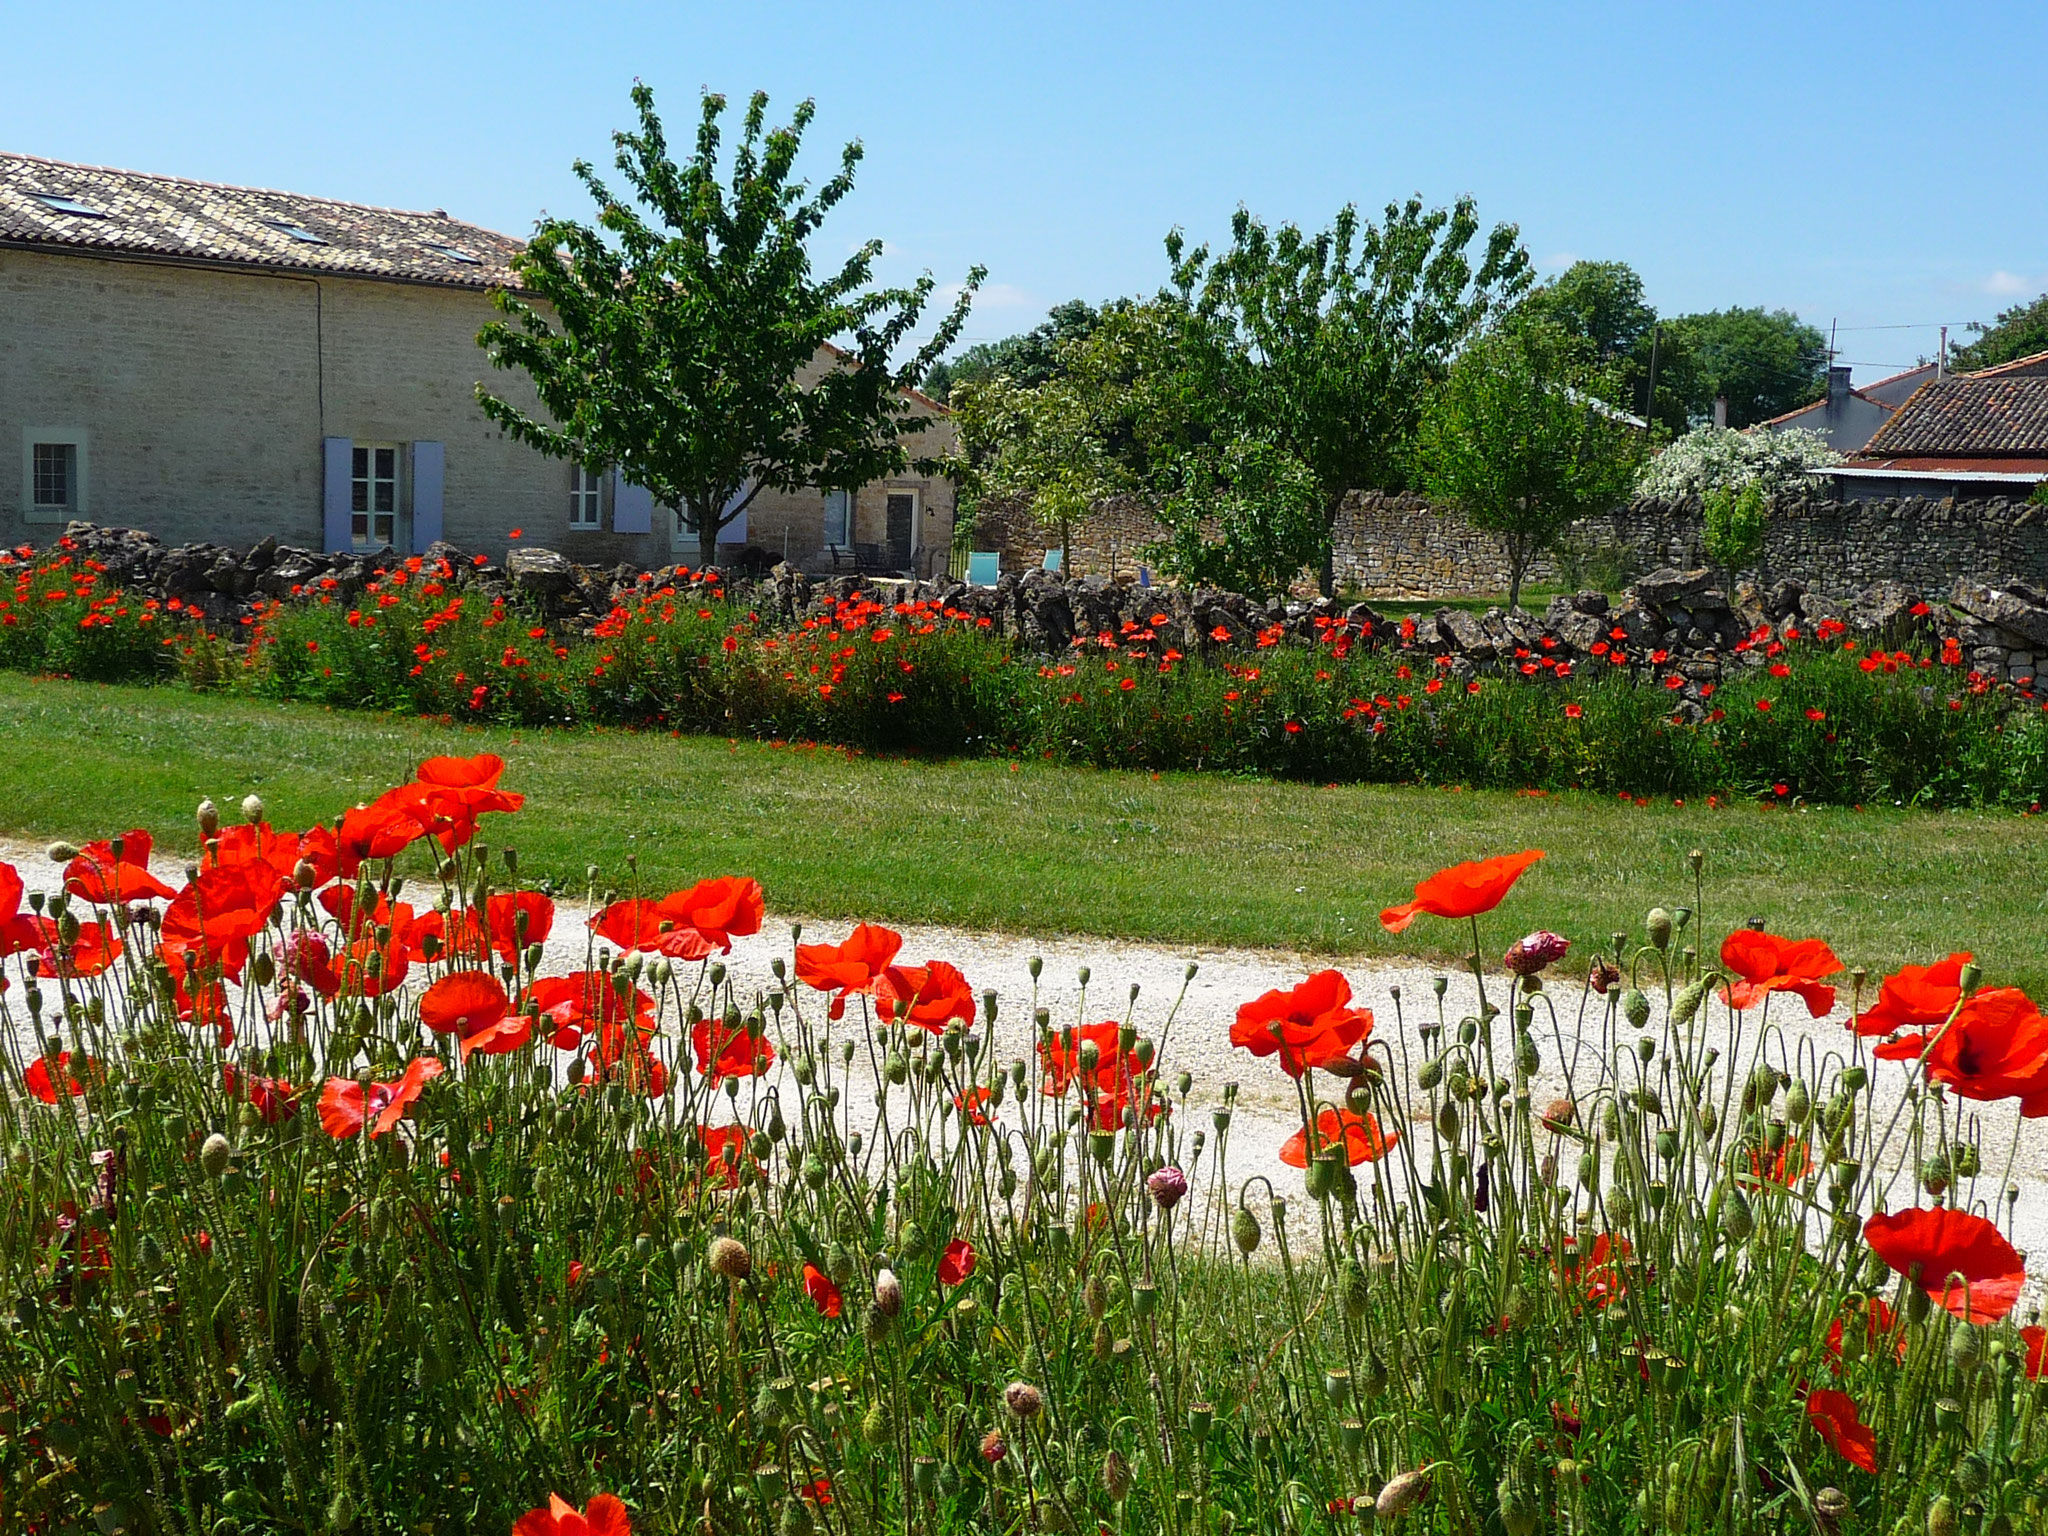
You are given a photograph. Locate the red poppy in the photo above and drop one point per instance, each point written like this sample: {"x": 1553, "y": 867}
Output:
{"x": 480, "y": 772}
{"x": 823, "y": 1293}
{"x": 1915, "y": 997}
{"x": 90, "y": 953}
{"x": 722, "y": 909}
{"x": 449, "y": 814}
{"x": 499, "y": 1038}
{"x": 383, "y": 829}
{"x": 936, "y": 994}
{"x": 275, "y": 1099}
{"x": 725, "y": 1050}
{"x": 971, "y": 1103}
{"x": 1463, "y": 890}
{"x": 277, "y": 855}
{"x": 502, "y": 919}
{"x": 602, "y": 1516}
{"x": 2035, "y": 1337}
{"x": 39, "y": 1081}
{"x": 360, "y": 911}
{"x": 345, "y": 1104}
{"x": 1930, "y": 1246}
{"x": 1784, "y": 1167}
{"x": 1879, "y": 1322}
{"x": 104, "y": 878}
{"x": 1997, "y": 1048}
{"x": 202, "y": 1002}
{"x": 370, "y": 969}
{"x": 1835, "y": 1419}
{"x": 1765, "y": 963}
{"x": 434, "y": 936}
{"x": 854, "y": 965}
{"x": 957, "y": 1262}
{"x": 1310, "y": 1025}
{"x": 17, "y": 928}
{"x": 1116, "y": 1105}
{"x": 724, "y": 1146}
{"x": 1361, "y": 1138}
{"x": 638, "y": 923}
{"x": 303, "y": 959}
{"x": 1060, "y": 1055}
{"x": 214, "y": 917}
{"x": 1598, "y": 1273}
{"x": 587, "y": 1002}
{"x": 464, "y": 1003}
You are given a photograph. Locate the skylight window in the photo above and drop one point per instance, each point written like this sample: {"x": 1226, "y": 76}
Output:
{"x": 453, "y": 254}
{"x": 302, "y": 235}
{"x": 58, "y": 203}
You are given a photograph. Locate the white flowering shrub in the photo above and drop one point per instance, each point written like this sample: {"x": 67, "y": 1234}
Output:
{"x": 1720, "y": 458}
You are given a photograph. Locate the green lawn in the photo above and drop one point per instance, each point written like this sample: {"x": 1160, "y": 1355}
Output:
{"x": 1037, "y": 849}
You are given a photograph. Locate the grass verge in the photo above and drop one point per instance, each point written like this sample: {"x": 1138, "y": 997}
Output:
{"x": 1033, "y": 848}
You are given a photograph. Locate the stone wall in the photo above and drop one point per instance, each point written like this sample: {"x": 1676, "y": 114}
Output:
{"x": 1400, "y": 546}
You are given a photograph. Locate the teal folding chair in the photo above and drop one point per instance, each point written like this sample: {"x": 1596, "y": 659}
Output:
{"x": 984, "y": 566}
{"x": 1052, "y": 561}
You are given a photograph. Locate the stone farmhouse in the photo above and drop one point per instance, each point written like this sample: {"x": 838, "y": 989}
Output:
{"x": 230, "y": 364}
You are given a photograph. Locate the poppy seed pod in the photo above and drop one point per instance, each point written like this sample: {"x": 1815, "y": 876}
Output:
{"x": 1023, "y": 1399}
{"x": 1116, "y": 1476}
{"x": 209, "y": 819}
{"x": 214, "y": 1153}
{"x": 728, "y": 1256}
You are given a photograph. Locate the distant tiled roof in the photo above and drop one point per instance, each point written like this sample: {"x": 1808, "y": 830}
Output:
{"x": 1968, "y": 416}
{"x": 2036, "y": 365}
{"x": 90, "y": 209}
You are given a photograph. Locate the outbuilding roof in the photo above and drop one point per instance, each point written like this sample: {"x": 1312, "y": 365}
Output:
{"x": 50, "y": 204}
{"x": 1970, "y": 416}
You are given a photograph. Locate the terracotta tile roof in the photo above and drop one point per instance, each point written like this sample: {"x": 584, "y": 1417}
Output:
{"x": 1968, "y": 415}
{"x": 2037, "y": 364}
{"x": 88, "y": 209}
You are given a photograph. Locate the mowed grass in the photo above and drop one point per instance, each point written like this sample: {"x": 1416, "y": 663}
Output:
{"x": 1034, "y": 848}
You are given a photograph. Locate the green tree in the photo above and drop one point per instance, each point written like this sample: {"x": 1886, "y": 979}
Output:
{"x": 672, "y": 345}
{"x": 1599, "y": 301}
{"x": 1766, "y": 362}
{"x": 1734, "y": 525}
{"x": 1030, "y": 358}
{"x": 1519, "y": 438}
{"x": 2017, "y": 332}
{"x": 1324, "y": 346}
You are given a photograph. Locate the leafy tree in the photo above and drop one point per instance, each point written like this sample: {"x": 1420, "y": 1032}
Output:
{"x": 1766, "y": 362}
{"x": 1242, "y": 515}
{"x": 1519, "y": 439}
{"x": 1734, "y": 525}
{"x": 2017, "y": 332}
{"x": 1325, "y": 345}
{"x": 1029, "y": 359}
{"x": 1599, "y": 301}
{"x": 672, "y": 345}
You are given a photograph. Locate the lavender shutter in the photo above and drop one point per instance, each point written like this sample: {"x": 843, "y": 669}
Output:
{"x": 429, "y": 475}
{"x": 334, "y": 532}
{"x": 632, "y": 506}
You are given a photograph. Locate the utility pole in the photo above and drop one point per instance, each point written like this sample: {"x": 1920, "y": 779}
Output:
{"x": 1650, "y": 398}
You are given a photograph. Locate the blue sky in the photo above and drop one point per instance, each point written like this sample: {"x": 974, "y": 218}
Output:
{"x": 1877, "y": 165}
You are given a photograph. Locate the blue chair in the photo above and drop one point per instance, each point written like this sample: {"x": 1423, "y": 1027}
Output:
{"x": 984, "y": 566}
{"x": 1052, "y": 561}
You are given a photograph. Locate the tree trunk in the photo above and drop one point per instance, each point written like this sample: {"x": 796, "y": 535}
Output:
{"x": 707, "y": 543}
{"x": 1518, "y": 566}
{"x": 1326, "y": 578}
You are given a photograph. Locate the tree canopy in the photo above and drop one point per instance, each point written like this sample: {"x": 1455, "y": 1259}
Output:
{"x": 2020, "y": 331}
{"x": 1766, "y": 362}
{"x": 673, "y": 343}
{"x": 1029, "y": 359}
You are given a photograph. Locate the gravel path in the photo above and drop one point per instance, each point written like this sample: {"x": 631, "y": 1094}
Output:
{"x": 1198, "y": 1041}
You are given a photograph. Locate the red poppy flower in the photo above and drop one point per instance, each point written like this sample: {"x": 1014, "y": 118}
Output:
{"x": 1929, "y": 1246}
{"x": 464, "y": 1003}
{"x": 729, "y": 1051}
{"x": 17, "y": 929}
{"x": 823, "y": 1293}
{"x": 449, "y": 815}
{"x": 1784, "y": 1167}
{"x": 383, "y": 829}
{"x": 1915, "y": 997}
{"x": 345, "y": 1104}
{"x": 638, "y": 923}
{"x": 957, "y": 1262}
{"x": 1060, "y": 1056}
{"x": 1879, "y": 1322}
{"x": 502, "y": 919}
{"x": 40, "y": 1082}
{"x": 439, "y": 936}
{"x": 1835, "y": 1419}
{"x": 1361, "y": 1138}
{"x": 90, "y": 953}
{"x": 2035, "y": 1337}
{"x": 102, "y": 877}
{"x": 971, "y": 1103}
{"x": 719, "y": 910}
{"x": 202, "y": 1002}
{"x": 854, "y": 965}
{"x": 275, "y": 1099}
{"x": 214, "y": 918}
{"x": 602, "y": 1516}
{"x": 480, "y": 772}
{"x": 1119, "y": 1104}
{"x": 587, "y": 1002}
{"x": 1997, "y": 1048}
{"x": 303, "y": 959}
{"x": 369, "y": 969}
{"x": 1463, "y": 890}
{"x": 1765, "y": 963}
{"x": 936, "y": 994}
{"x": 1310, "y": 1025}
{"x": 1597, "y": 1274}
{"x": 724, "y": 1146}
{"x": 273, "y": 854}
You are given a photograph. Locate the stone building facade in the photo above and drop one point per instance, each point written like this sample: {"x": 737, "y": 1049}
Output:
{"x": 229, "y": 364}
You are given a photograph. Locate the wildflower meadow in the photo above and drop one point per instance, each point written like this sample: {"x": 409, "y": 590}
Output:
{"x": 327, "y": 1206}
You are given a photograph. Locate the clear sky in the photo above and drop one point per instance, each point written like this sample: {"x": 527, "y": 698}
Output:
{"x": 1876, "y": 164}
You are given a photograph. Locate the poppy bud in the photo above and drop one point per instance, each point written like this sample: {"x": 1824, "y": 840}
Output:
{"x": 1082, "y": 975}
{"x": 874, "y": 1425}
{"x": 1116, "y": 1476}
{"x": 209, "y": 820}
{"x": 252, "y": 809}
{"x": 1687, "y": 1002}
{"x": 1023, "y": 1399}
{"x": 1244, "y": 1231}
{"x": 214, "y": 1153}
{"x": 1401, "y": 1495}
{"x": 888, "y": 1293}
{"x": 60, "y": 853}
{"x": 1659, "y": 925}
{"x": 728, "y": 1256}
{"x": 1167, "y": 1186}
{"x": 1737, "y": 1220}
{"x": 993, "y": 1447}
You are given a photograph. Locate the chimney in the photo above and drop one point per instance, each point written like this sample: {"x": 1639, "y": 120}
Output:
{"x": 1838, "y": 385}
{"x": 1721, "y": 411}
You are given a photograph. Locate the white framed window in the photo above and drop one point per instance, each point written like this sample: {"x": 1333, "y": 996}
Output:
{"x": 373, "y": 496}
{"x": 838, "y": 518}
{"x": 53, "y": 474}
{"x": 586, "y": 498}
